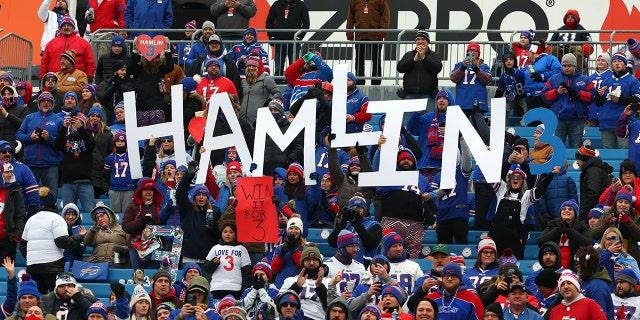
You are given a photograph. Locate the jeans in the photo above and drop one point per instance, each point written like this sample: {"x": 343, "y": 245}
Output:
{"x": 48, "y": 176}
{"x": 573, "y": 128}
{"x": 283, "y": 51}
{"x": 611, "y": 141}
{"x": 369, "y": 51}
{"x": 79, "y": 192}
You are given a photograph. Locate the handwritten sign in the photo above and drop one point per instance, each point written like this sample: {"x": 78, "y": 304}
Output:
{"x": 150, "y": 48}
{"x": 256, "y": 216}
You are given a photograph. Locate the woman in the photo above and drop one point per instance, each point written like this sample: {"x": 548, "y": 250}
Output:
{"x": 295, "y": 189}
{"x": 487, "y": 264}
{"x": 141, "y": 304}
{"x": 88, "y": 98}
{"x": 226, "y": 195}
{"x": 628, "y": 177}
{"x": 107, "y": 238}
{"x": 142, "y": 211}
{"x": 149, "y": 87}
{"x": 568, "y": 232}
{"x": 624, "y": 217}
{"x": 11, "y": 114}
{"x": 13, "y": 211}
{"x": 257, "y": 89}
{"x": 104, "y": 145}
{"x": 286, "y": 257}
{"x": 514, "y": 200}
{"x": 613, "y": 255}
{"x": 594, "y": 278}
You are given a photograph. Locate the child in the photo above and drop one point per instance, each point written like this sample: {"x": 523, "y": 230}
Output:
{"x": 73, "y": 218}
{"x": 511, "y": 84}
{"x": 521, "y": 48}
{"x": 116, "y": 165}
{"x": 227, "y": 194}
{"x": 328, "y": 207}
{"x": 278, "y": 176}
{"x": 228, "y": 260}
{"x": 181, "y": 50}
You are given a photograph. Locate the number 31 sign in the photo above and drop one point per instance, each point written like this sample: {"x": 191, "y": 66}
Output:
{"x": 256, "y": 216}
{"x": 150, "y": 48}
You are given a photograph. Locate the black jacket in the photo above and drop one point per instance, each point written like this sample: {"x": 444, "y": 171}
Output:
{"x": 147, "y": 85}
{"x": 77, "y": 154}
{"x": 104, "y": 68}
{"x": 594, "y": 180}
{"x": 298, "y": 18}
{"x": 422, "y": 76}
{"x": 110, "y": 92}
{"x": 274, "y": 157}
{"x": 14, "y": 213}
{"x": 10, "y": 125}
{"x": 579, "y": 235}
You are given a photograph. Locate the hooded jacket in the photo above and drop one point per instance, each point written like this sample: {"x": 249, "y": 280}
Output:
{"x": 597, "y": 288}
{"x": 61, "y": 43}
{"x": 133, "y": 214}
{"x": 563, "y": 105}
{"x": 545, "y": 65}
{"x": 104, "y": 240}
{"x": 10, "y": 124}
{"x": 40, "y": 153}
{"x": 530, "y": 281}
{"x": 341, "y": 303}
{"x": 257, "y": 95}
{"x": 561, "y": 188}
{"x": 594, "y": 179}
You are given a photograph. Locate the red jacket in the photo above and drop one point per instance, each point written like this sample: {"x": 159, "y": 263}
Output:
{"x": 84, "y": 54}
{"x": 207, "y": 86}
{"x": 583, "y": 309}
{"x": 108, "y": 15}
{"x": 608, "y": 196}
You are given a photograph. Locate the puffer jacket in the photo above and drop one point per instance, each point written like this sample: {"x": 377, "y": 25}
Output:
{"x": 561, "y": 188}
{"x": 594, "y": 179}
{"x": 546, "y": 65}
{"x": 256, "y": 95}
{"x": 104, "y": 240}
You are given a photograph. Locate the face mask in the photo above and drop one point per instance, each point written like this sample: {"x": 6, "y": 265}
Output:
{"x": 354, "y": 173}
{"x": 276, "y": 116}
{"x": 121, "y": 150}
{"x": 31, "y": 317}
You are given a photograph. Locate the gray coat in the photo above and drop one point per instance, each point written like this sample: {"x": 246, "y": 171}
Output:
{"x": 255, "y": 96}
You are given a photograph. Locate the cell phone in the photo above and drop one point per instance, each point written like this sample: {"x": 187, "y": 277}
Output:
{"x": 73, "y": 113}
{"x": 635, "y": 106}
{"x": 563, "y": 84}
{"x": 350, "y": 285}
{"x": 191, "y": 299}
{"x": 615, "y": 239}
{"x": 470, "y": 56}
{"x": 38, "y": 130}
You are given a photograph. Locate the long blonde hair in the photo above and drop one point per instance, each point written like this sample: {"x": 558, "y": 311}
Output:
{"x": 619, "y": 234}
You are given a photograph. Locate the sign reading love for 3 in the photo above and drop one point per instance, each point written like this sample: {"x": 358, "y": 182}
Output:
{"x": 149, "y": 47}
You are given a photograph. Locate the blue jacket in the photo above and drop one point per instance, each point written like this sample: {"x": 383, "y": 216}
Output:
{"x": 597, "y": 288}
{"x": 36, "y": 153}
{"x": 609, "y": 260}
{"x": 304, "y": 206}
{"x": 470, "y": 88}
{"x": 307, "y": 79}
{"x": 198, "y": 49}
{"x": 145, "y": 14}
{"x": 289, "y": 267}
{"x": 562, "y": 105}
{"x": 597, "y": 78}
{"x": 513, "y": 84}
{"x": 561, "y": 188}
{"x": 610, "y": 110}
{"x": 546, "y": 65}
{"x": 27, "y": 182}
{"x": 356, "y": 102}
{"x": 243, "y": 49}
{"x": 527, "y": 314}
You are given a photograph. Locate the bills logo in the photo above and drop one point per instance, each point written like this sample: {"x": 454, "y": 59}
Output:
{"x": 89, "y": 271}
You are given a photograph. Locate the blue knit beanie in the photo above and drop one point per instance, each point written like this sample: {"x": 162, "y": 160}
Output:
{"x": 28, "y": 286}
{"x": 389, "y": 239}
{"x": 571, "y": 203}
{"x": 99, "y": 308}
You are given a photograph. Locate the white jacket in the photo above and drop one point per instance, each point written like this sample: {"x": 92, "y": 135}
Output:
{"x": 50, "y": 20}
{"x": 40, "y": 231}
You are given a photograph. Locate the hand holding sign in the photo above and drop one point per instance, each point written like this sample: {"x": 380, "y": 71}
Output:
{"x": 150, "y": 48}
{"x": 256, "y": 216}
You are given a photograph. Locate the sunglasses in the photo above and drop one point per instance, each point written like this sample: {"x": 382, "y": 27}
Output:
{"x": 289, "y": 305}
{"x": 6, "y": 151}
{"x": 515, "y": 177}
{"x": 167, "y": 140}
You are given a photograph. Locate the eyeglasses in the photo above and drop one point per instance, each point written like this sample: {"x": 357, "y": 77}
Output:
{"x": 6, "y": 151}
{"x": 449, "y": 276}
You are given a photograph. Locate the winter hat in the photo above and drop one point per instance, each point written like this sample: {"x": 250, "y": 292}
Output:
{"x": 234, "y": 165}
{"x": 265, "y": 267}
{"x": 66, "y": 19}
{"x": 288, "y": 296}
{"x": 166, "y": 306}
{"x": 547, "y": 278}
{"x": 452, "y": 268}
{"x": 572, "y": 12}
{"x": 267, "y": 310}
{"x": 166, "y": 163}
{"x": 573, "y": 204}
{"x": 487, "y": 243}
{"x": 92, "y": 88}
{"x": 227, "y": 301}
{"x": 117, "y": 40}
{"x": 46, "y": 96}
{"x": 99, "y": 308}
{"x": 397, "y": 292}
{"x": 101, "y": 208}
{"x": 540, "y": 128}
{"x": 521, "y": 142}
{"x": 405, "y": 154}
{"x": 568, "y": 275}
{"x": 633, "y": 46}
{"x": 252, "y": 31}
{"x": 473, "y": 46}
{"x": 140, "y": 294}
{"x": 512, "y": 268}
{"x": 70, "y": 208}
{"x": 97, "y": 111}
{"x": 212, "y": 61}
{"x": 528, "y": 34}
{"x": 374, "y": 309}
{"x": 347, "y": 238}
{"x": 7, "y": 77}
{"x": 623, "y": 194}
{"x": 619, "y": 56}
{"x": 188, "y": 84}
{"x": 381, "y": 259}
{"x": 508, "y": 55}
{"x": 7, "y": 167}
{"x": 253, "y": 61}
{"x": 65, "y": 278}
{"x": 515, "y": 169}
{"x": 496, "y": 309}
{"x": 21, "y": 84}
{"x": 159, "y": 274}
{"x": 422, "y": 33}
{"x": 295, "y": 222}
{"x": 119, "y": 105}
{"x": 120, "y": 136}
{"x": 296, "y": 168}
{"x": 585, "y": 153}
{"x": 326, "y": 175}
{"x": 6, "y": 145}
{"x": 570, "y": 59}
{"x": 311, "y": 251}
{"x": 628, "y": 165}
{"x": 352, "y": 76}
{"x": 69, "y": 55}
{"x": 214, "y": 37}
{"x": 443, "y": 94}
{"x": 606, "y": 57}
{"x": 627, "y": 275}
{"x": 390, "y": 238}
{"x": 277, "y": 104}
{"x": 210, "y": 25}
{"x": 536, "y": 47}
{"x": 28, "y": 286}
{"x": 47, "y": 200}
{"x": 70, "y": 94}
{"x": 358, "y": 200}
{"x": 236, "y": 311}
{"x": 596, "y": 212}
{"x": 353, "y": 161}
{"x": 191, "y": 25}
{"x": 458, "y": 260}
{"x": 507, "y": 257}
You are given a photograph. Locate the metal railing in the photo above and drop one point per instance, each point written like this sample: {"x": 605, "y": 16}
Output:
{"x": 335, "y": 49}
{"x": 15, "y": 56}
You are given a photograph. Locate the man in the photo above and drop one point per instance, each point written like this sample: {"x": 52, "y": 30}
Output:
{"x": 51, "y": 18}
{"x": 66, "y": 302}
{"x": 240, "y": 53}
{"x": 344, "y": 261}
{"x": 162, "y": 291}
{"x": 393, "y": 298}
{"x": 569, "y": 94}
{"x": 303, "y": 74}
{"x": 426, "y": 309}
{"x": 549, "y": 257}
{"x": 164, "y": 310}
{"x": 626, "y": 299}
{"x": 141, "y": 14}
{"x": 70, "y": 79}
{"x": 68, "y": 40}
{"x": 288, "y": 303}
{"x": 370, "y": 312}
{"x": 357, "y": 104}
{"x": 233, "y": 14}
{"x": 471, "y": 77}
{"x": 547, "y": 283}
{"x": 286, "y": 14}
{"x": 577, "y": 43}
{"x": 108, "y": 63}
{"x": 456, "y": 301}
{"x": 338, "y": 310}
{"x": 12, "y": 211}
{"x": 214, "y": 81}
{"x": 107, "y": 15}
{"x": 517, "y": 308}
{"x": 37, "y": 133}
{"x": 614, "y": 94}
{"x": 48, "y": 83}
{"x": 199, "y": 48}
{"x": 310, "y": 279}
{"x": 603, "y": 71}
{"x": 227, "y": 65}
{"x": 190, "y": 270}
{"x": 594, "y": 178}
{"x": 23, "y": 177}
{"x": 440, "y": 257}
{"x": 403, "y": 206}
{"x": 403, "y": 270}
{"x": 27, "y": 295}
{"x": 574, "y": 305}
{"x": 198, "y": 288}
{"x": 70, "y": 104}
{"x": 364, "y": 14}
{"x": 76, "y": 144}
{"x": 367, "y": 293}
{"x": 261, "y": 290}
{"x": 421, "y": 67}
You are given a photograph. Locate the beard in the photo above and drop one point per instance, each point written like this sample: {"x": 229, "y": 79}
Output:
{"x": 351, "y": 88}
{"x": 60, "y": 10}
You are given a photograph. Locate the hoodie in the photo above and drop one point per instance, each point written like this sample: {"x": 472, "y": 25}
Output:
{"x": 181, "y": 285}
{"x": 341, "y": 303}
{"x": 597, "y": 288}
{"x": 530, "y": 281}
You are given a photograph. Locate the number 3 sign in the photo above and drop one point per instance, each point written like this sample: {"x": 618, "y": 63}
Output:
{"x": 150, "y": 48}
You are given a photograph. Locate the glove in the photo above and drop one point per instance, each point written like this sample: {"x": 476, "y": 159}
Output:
{"x": 95, "y": 228}
{"x": 362, "y": 150}
{"x": 135, "y": 46}
{"x": 536, "y": 77}
{"x": 290, "y": 243}
{"x": 333, "y": 207}
{"x": 120, "y": 250}
{"x": 275, "y": 200}
{"x": 241, "y": 64}
{"x": 573, "y": 93}
{"x": 314, "y": 176}
{"x": 252, "y": 167}
{"x": 193, "y": 168}
{"x": 403, "y": 131}
{"x": 625, "y": 219}
{"x": 116, "y": 81}
{"x": 167, "y": 47}
{"x": 308, "y": 57}
{"x": 118, "y": 289}
{"x": 510, "y": 71}
{"x": 147, "y": 219}
{"x": 211, "y": 224}
{"x": 255, "y": 282}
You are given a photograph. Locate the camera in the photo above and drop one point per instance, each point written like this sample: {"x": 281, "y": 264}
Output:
{"x": 350, "y": 213}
